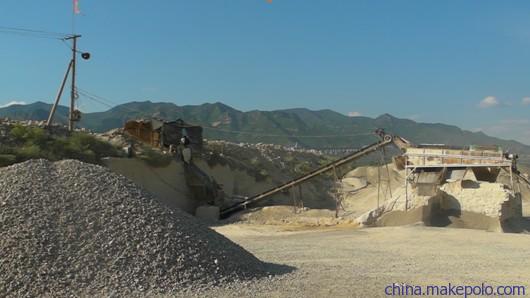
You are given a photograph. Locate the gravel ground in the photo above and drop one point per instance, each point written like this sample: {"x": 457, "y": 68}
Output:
{"x": 69, "y": 228}
{"x": 362, "y": 262}
{"x": 72, "y": 229}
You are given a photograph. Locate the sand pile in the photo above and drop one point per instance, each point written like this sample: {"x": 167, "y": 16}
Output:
{"x": 465, "y": 203}
{"x": 69, "y": 228}
{"x": 372, "y": 173}
{"x": 363, "y": 198}
{"x": 460, "y": 204}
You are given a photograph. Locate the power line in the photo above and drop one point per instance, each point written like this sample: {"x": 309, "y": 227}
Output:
{"x": 23, "y": 34}
{"x": 102, "y": 100}
{"x": 94, "y": 98}
{"x": 33, "y": 31}
{"x": 66, "y": 44}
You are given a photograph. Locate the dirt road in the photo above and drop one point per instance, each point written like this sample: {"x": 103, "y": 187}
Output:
{"x": 362, "y": 262}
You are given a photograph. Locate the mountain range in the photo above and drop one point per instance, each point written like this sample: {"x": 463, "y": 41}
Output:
{"x": 306, "y": 128}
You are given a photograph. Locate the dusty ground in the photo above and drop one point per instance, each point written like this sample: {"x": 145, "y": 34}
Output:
{"x": 289, "y": 217}
{"x": 351, "y": 262}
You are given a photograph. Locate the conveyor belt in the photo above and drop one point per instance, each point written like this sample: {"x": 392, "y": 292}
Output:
{"x": 524, "y": 179}
{"x": 386, "y": 139}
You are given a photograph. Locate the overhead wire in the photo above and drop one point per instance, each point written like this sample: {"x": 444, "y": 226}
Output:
{"x": 96, "y": 96}
{"x": 23, "y": 34}
{"x": 102, "y": 100}
{"x": 32, "y": 33}
{"x": 93, "y": 98}
{"x": 66, "y": 44}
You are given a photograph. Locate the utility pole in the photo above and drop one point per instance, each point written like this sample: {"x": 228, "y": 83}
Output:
{"x": 59, "y": 94}
{"x": 74, "y": 114}
{"x": 73, "y": 93}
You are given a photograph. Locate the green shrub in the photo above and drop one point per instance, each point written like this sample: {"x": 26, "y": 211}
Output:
{"x": 33, "y": 142}
{"x": 7, "y": 159}
{"x": 29, "y": 135}
{"x": 254, "y": 161}
{"x": 303, "y": 167}
{"x": 289, "y": 158}
{"x": 18, "y": 132}
{"x": 87, "y": 148}
{"x": 30, "y": 151}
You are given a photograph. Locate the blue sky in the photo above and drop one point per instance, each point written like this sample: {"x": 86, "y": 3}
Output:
{"x": 458, "y": 62}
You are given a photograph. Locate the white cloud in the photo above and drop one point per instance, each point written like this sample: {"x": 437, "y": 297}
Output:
{"x": 525, "y": 101}
{"x": 488, "y": 102}
{"x": 354, "y": 114}
{"x": 14, "y": 102}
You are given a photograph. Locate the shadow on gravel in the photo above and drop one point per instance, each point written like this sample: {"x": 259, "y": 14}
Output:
{"x": 278, "y": 269}
{"x": 521, "y": 225}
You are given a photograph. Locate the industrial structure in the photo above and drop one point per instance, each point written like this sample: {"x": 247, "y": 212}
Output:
{"x": 161, "y": 134}
{"x": 167, "y": 135}
{"x": 427, "y": 166}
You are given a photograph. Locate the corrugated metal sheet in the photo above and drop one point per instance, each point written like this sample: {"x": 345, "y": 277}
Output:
{"x": 158, "y": 133}
{"x": 143, "y": 131}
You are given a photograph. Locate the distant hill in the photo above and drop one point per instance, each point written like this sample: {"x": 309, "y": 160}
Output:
{"x": 314, "y": 129}
{"x": 35, "y": 111}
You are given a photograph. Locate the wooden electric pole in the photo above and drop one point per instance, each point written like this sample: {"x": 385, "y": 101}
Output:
{"x": 74, "y": 114}
{"x": 59, "y": 94}
{"x": 73, "y": 117}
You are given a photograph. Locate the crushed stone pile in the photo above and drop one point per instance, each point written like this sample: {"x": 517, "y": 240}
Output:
{"x": 70, "y": 228}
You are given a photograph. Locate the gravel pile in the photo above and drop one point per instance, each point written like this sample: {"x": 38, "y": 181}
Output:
{"x": 70, "y": 228}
